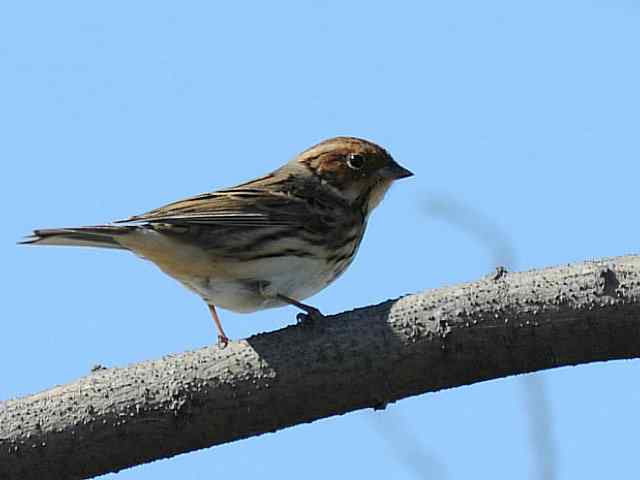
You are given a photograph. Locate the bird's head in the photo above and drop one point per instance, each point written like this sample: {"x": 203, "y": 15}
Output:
{"x": 359, "y": 171}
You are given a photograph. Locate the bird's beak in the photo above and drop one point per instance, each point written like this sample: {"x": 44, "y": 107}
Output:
{"x": 393, "y": 171}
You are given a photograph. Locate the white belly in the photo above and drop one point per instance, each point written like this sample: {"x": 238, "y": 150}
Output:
{"x": 252, "y": 286}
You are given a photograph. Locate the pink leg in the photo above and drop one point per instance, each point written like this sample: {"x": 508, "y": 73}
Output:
{"x": 223, "y": 340}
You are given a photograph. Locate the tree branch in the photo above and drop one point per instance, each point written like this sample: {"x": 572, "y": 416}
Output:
{"x": 498, "y": 326}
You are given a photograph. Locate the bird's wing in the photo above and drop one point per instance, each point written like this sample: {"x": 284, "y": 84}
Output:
{"x": 276, "y": 199}
{"x": 246, "y": 207}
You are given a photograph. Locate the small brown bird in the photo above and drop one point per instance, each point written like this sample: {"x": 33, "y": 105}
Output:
{"x": 273, "y": 241}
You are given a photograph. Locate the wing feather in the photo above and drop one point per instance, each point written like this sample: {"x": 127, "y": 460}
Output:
{"x": 287, "y": 197}
{"x": 242, "y": 207}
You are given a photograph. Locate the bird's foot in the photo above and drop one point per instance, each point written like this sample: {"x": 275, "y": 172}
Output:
{"x": 309, "y": 317}
{"x": 223, "y": 341}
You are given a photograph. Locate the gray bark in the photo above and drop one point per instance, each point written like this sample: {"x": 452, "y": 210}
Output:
{"x": 504, "y": 324}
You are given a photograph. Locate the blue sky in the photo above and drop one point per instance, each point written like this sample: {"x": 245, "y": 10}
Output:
{"x": 526, "y": 112}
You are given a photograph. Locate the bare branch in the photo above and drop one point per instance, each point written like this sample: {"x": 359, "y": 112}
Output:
{"x": 520, "y": 322}
{"x": 503, "y": 255}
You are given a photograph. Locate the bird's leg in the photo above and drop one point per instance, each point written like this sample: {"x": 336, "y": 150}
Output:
{"x": 311, "y": 313}
{"x": 223, "y": 340}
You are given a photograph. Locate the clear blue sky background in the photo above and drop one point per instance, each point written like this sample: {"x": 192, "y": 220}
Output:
{"x": 526, "y": 111}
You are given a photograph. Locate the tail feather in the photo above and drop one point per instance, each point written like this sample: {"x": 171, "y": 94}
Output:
{"x": 101, "y": 236}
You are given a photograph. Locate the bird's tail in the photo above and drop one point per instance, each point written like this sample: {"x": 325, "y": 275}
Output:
{"x": 101, "y": 236}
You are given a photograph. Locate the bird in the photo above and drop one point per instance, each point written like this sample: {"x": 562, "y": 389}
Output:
{"x": 270, "y": 242}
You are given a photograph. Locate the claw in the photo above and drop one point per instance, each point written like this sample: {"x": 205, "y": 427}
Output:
{"x": 310, "y": 317}
{"x": 311, "y": 314}
{"x": 222, "y": 341}
{"x": 304, "y": 319}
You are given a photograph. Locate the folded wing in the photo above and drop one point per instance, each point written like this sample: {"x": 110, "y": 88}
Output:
{"x": 242, "y": 207}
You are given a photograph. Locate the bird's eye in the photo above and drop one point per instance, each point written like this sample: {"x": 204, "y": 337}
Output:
{"x": 355, "y": 161}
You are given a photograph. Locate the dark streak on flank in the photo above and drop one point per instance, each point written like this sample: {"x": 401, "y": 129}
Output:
{"x": 350, "y": 239}
{"x": 289, "y": 252}
{"x": 339, "y": 258}
{"x": 260, "y": 241}
{"x": 341, "y": 265}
